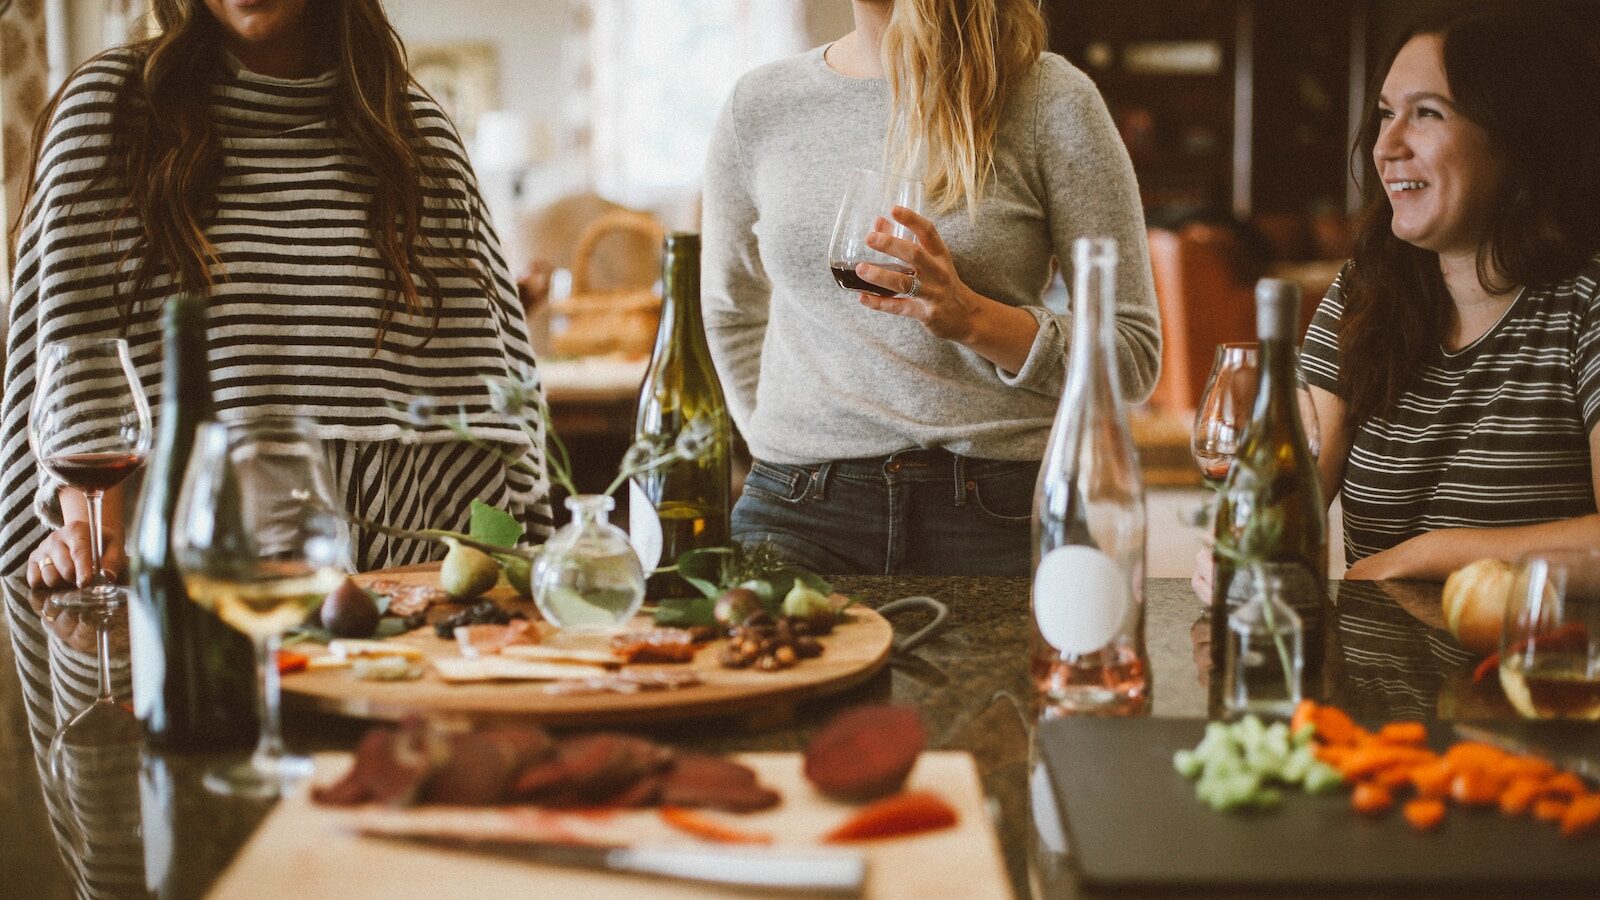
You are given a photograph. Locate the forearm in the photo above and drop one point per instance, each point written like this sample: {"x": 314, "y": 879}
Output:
{"x": 1436, "y": 554}
{"x": 1001, "y": 334}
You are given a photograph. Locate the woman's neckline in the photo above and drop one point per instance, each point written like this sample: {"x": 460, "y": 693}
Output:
{"x": 1487, "y": 332}
{"x": 239, "y": 70}
{"x": 822, "y": 61}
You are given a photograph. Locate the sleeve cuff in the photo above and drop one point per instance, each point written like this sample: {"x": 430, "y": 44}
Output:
{"x": 1042, "y": 370}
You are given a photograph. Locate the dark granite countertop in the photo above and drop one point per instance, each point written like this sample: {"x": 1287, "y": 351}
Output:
{"x": 971, "y": 684}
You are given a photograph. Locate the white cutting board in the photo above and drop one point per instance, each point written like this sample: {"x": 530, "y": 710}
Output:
{"x": 303, "y": 851}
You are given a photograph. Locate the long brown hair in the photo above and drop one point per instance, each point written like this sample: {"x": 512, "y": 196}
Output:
{"x": 168, "y": 155}
{"x": 1532, "y": 82}
{"x": 951, "y": 67}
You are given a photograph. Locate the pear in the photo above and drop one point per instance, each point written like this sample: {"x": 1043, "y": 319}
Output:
{"x": 466, "y": 572}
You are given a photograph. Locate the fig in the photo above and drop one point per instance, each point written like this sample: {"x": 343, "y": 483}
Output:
{"x": 349, "y": 612}
{"x": 519, "y": 573}
{"x": 735, "y": 605}
{"x": 805, "y": 602}
{"x": 466, "y": 572}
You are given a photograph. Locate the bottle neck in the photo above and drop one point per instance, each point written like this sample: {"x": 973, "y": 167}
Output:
{"x": 185, "y": 379}
{"x": 589, "y": 508}
{"x": 680, "y": 298}
{"x": 1093, "y": 351}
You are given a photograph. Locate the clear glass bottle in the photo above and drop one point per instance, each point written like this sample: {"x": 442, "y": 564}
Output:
{"x": 1270, "y": 511}
{"x": 588, "y": 576}
{"x": 1266, "y": 649}
{"x": 1088, "y": 651}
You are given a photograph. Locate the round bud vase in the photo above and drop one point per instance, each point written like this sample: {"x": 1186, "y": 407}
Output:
{"x": 589, "y": 576}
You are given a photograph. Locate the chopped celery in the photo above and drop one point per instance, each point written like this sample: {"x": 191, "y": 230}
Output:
{"x": 1235, "y": 766}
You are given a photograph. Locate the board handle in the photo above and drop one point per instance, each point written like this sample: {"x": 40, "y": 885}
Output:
{"x": 910, "y": 642}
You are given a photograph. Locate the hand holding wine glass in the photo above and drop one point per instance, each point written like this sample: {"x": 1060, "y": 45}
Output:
{"x": 260, "y": 542}
{"x": 89, "y": 428}
{"x": 868, "y": 199}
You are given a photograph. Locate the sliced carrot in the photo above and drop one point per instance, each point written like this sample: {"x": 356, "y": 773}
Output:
{"x": 1431, "y": 780}
{"x": 1409, "y": 733}
{"x": 706, "y": 828}
{"x": 1304, "y": 714}
{"x": 1393, "y": 778}
{"x": 1532, "y": 767}
{"x": 1369, "y": 799}
{"x": 1518, "y": 796}
{"x": 1424, "y": 814}
{"x": 901, "y": 814}
{"x": 290, "y": 661}
{"x": 1335, "y": 726}
{"x": 1582, "y": 817}
{"x": 1550, "y": 809}
{"x": 1565, "y": 784}
{"x": 1471, "y": 754}
{"x": 1475, "y": 787}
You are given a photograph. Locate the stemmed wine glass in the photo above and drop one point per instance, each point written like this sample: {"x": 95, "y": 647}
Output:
{"x": 1225, "y": 407}
{"x": 868, "y": 198}
{"x": 259, "y": 542}
{"x": 89, "y": 427}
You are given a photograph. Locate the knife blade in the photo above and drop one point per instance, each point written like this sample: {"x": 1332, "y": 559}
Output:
{"x": 832, "y": 873}
{"x": 1587, "y": 766}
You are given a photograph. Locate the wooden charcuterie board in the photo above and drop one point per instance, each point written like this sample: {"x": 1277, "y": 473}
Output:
{"x": 306, "y": 851}
{"x": 854, "y": 652}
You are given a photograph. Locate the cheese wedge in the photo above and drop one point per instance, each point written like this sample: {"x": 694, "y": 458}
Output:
{"x": 353, "y": 648}
{"x": 568, "y": 655}
{"x": 458, "y": 670}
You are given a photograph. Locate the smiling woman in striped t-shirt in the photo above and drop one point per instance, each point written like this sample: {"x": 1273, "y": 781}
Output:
{"x": 1455, "y": 364}
{"x": 275, "y": 157}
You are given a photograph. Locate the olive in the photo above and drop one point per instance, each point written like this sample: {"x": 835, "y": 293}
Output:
{"x": 735, "y": 605}
{"x": 349, "y": 612}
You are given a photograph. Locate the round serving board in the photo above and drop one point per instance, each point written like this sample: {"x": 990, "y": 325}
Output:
{"x": 854, "y": 652}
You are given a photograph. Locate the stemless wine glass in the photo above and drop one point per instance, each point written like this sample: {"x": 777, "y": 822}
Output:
{"x": 89, "y": 427}
{"x": 1225, "y": 407}
{"x": 259, "y": 542}
{"x": 1550, "y": 646}
{"x": 868, "y": 197}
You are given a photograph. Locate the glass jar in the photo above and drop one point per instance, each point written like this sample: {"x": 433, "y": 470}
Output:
{"x": 588, "y": 576}
{"x": 1265, "y": 656}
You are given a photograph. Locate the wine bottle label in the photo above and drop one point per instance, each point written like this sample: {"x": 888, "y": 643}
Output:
{"x": 148, "y": 652}
{"x": 1080, "y": 598}
{"x": 644, "y": 527}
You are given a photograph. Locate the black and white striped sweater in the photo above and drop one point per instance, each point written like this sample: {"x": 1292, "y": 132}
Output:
{"x": 295, "y": 308}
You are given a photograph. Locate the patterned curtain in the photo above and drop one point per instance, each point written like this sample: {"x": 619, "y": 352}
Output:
{"x": 23, "y": 76}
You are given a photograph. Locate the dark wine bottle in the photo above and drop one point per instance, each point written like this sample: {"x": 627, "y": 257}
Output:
{"x": 683, "y": 505}
{"x": 1270, "y": 517}
{"x": 193, "y": 676}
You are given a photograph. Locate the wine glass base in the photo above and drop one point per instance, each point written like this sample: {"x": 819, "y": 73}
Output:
{"x": 259, "y": 777}
{"x": 100, "y": 726}
{"x": 106, "y": 597}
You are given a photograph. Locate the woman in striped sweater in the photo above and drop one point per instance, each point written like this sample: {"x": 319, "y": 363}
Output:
{"x": 1455, "y": 364}
{"x": 275, "y": 157}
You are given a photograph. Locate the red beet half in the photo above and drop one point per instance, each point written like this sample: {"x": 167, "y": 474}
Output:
{"x": 866, "y": 752}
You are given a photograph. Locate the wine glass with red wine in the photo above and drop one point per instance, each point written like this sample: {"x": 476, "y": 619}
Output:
{"x": 90, "y": 429}
{"x": 868, "y": 198}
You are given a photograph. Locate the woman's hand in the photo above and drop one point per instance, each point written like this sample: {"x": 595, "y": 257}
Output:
{"x": 1205, "y": 568}
{"x": 62, "y": 559}
{"x": 942, "y": 302}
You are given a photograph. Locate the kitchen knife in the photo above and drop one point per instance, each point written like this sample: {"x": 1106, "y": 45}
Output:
{"x": 1587, "y": 766}
{"x": 834, "y": 873}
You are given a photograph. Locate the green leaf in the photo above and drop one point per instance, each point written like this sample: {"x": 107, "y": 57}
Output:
{"x": 703, "y": 569}
{"x": 687, "y": 612}
{"x": 494, "y": 526}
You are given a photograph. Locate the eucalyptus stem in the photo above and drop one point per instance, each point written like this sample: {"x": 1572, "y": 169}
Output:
{"x": 1260, "y": 577}
{"x": 437, "y": 534}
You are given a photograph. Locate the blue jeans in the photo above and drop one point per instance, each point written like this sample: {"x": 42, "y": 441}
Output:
{"x": 915, "y": 512}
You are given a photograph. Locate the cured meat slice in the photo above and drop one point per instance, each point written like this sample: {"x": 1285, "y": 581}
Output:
{"x": 482, "y": 764}
{"x": 658, "y": 645}
{"x": 488, "y": 640}
{"x": 711, "y": 781}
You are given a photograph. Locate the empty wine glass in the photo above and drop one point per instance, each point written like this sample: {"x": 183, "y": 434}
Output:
{"x": 1225, "y": 407}
{"x": 89, "y": 428}
{"x": 259, "y": 542}
{"x": 869, "y": 197}
{"x": 104, "y": 722}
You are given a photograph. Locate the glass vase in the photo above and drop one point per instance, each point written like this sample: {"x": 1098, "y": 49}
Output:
{"x": 1265, "y": 656}
{"x": 588, "y": 577}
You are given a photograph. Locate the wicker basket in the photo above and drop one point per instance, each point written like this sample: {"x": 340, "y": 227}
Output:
{"x": 598, "y": 322}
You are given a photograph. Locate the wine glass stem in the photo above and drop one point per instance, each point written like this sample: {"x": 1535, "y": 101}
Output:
{"x": 102, "y": 633}
{"x": 270, "y": 747}
{"x": 92, "y": 500}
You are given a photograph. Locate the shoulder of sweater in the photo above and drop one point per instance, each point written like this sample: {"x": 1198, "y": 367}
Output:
{"x": 1059, "y": 79}
{"x": 99, "y": 79}
{"x": 774, "y": 84}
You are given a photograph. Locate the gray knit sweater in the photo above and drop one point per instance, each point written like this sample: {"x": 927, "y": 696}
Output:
{"x": 813, "y": 375}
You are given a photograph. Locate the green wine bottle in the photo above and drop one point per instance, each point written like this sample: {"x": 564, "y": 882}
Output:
{"x": 683, "y": 505}
{"x": 193, "y": 676}
{"x": 1270, "y": 517}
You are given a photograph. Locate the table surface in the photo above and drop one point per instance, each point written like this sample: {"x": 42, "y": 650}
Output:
{"x": 970, "y": 683}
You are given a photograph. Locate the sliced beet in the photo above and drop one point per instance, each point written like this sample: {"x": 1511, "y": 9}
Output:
{"x": 865, "y": 752}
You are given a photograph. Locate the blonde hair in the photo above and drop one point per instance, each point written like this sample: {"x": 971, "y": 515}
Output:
{"x": 952, "y": 65}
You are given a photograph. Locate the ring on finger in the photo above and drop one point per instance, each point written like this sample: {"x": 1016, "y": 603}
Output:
{"x": 915, "y": 288}
{"x": 45, "y": 561}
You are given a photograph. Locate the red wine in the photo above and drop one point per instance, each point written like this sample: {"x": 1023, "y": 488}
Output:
{"x": 93, "y": 471}
{"x": 847, "y": 278}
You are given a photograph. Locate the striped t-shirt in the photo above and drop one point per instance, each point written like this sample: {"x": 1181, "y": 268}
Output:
{"x": 295, "y": 307}
{"x": 1493, "y": 434}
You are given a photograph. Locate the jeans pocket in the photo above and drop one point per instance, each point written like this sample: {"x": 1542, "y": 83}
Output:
{"x": 777, "y": 483}
{"x": 1002, "y": 492}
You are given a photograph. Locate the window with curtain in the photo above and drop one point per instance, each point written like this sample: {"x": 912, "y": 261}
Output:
{"x": 659, "y": 73}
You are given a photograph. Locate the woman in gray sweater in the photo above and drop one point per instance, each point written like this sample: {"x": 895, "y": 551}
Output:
{"x": 903, "y": 434}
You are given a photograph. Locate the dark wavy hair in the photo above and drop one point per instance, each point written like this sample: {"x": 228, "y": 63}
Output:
{"x": 168, "y": 154}
{"x": 1531, "y": 79}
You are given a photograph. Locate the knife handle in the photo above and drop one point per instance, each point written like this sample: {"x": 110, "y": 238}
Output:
{"x": 839, "y": 873}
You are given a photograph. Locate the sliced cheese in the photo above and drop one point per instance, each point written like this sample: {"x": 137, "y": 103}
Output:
{"x": 568, "y": 655}
{"x": 501, "y": 668}
{"x": 327, "y": 661}
{"x": 353, "y": 648}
